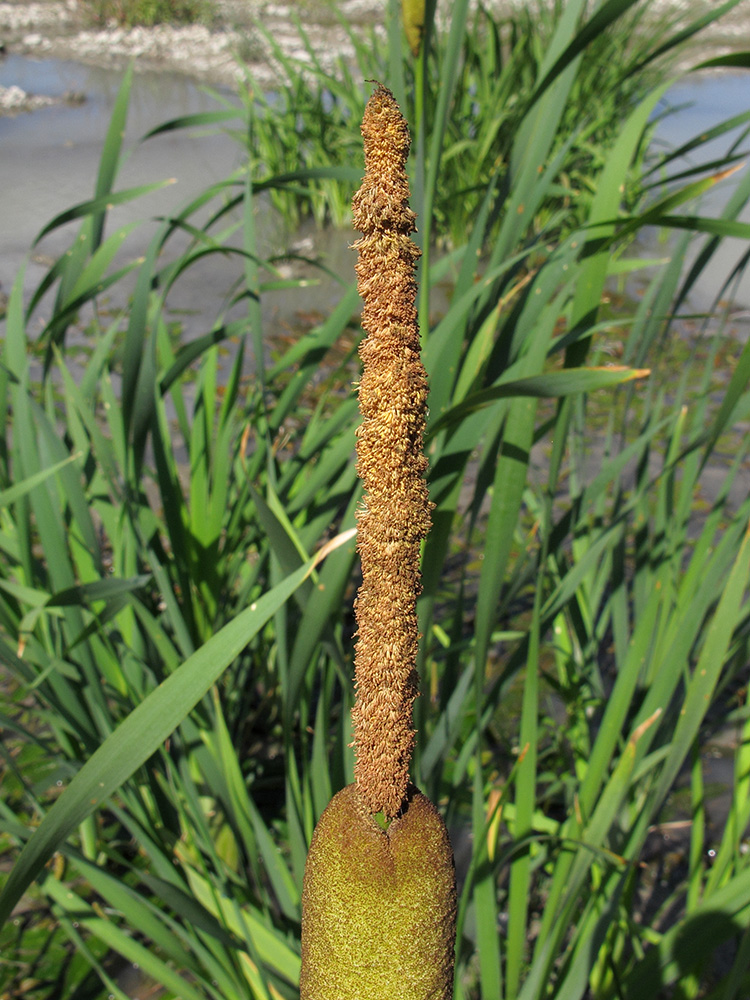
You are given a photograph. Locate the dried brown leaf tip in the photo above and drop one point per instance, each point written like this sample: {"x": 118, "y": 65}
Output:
{"x": 395, "y": 515}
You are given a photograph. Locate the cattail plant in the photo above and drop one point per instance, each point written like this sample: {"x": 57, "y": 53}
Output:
{"x": 413, "y": 18}
{"x": 379, "y": 897}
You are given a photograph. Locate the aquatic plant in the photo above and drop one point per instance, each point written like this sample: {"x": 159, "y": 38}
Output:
{"x": 178, "y": 649}
{"x": 379, "y": 898}
{"x": 129, "y": 13}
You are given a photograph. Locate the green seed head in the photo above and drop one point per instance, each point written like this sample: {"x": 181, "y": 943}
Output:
{"x": 412, "y": 15}
{"x": 378, "y": 906}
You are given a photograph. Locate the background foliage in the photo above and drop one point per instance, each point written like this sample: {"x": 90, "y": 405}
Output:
{"x": 177, "y": 562}
{"x": 129, "y": 13}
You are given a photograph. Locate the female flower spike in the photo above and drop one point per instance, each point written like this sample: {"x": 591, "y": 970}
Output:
{"x": 379, "y": 899}
{"x": 378, "y": 906}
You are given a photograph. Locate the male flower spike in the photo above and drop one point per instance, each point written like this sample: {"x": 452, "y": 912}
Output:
{"x": 379, "y": 898}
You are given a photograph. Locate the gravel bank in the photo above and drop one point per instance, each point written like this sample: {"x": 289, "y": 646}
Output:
{"x": 14, "y": 100}
{"x": 56, "y": 28}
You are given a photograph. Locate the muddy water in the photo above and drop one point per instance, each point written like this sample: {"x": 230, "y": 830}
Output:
{"x": 699, "y": 104}
{"x": 49, "y": 160}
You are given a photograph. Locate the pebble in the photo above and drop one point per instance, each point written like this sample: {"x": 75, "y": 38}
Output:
{"x": 14, "y": 100}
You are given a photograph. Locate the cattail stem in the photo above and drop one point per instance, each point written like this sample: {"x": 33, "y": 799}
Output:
{"x": 395, "y": 515}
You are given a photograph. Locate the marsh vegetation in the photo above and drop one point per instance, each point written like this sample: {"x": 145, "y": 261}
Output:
{"x": 177, "y": 565}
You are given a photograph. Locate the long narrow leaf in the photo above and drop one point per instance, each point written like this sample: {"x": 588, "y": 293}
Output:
{"x": 144, "y": 730}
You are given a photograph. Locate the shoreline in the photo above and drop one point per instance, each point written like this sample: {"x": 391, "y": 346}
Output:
{"x": 218, "y": 54}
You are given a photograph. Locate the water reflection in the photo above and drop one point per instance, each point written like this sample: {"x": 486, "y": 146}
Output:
{"x": 52, "y": 156}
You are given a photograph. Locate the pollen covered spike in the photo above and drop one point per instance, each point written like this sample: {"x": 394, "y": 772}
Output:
{"x": 379, "y": 894}
{"x": 395, "y": 516}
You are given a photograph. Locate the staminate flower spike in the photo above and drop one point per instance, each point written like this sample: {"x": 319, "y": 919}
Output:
{"x": 395, "y": 516}
{"x": 379, "y": 895}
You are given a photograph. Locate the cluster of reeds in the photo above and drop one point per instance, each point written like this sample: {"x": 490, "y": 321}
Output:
{"x": 130, "y": 13}
{"x": 178, "y": 655}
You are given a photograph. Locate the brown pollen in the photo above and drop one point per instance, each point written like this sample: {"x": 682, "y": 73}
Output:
{"x": 395, "y": 515}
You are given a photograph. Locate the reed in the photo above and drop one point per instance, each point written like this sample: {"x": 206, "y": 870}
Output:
{"x": 379, "y": 901}
{"x": 178, "y": 651}
{"x": 130, "y": 13}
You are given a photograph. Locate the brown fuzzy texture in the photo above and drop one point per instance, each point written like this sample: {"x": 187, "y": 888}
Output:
{"x": 378, "y": 906}
{"x": 395, "y": 516}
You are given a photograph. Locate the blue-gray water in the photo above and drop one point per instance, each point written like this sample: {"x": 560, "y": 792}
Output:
{"x": 701, "y": 102}
{"x": 49, "y": 159}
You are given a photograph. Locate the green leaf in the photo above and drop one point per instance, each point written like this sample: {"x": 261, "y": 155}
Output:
{"x": 566, "y": 382}
{"x": 18, "y": 490}
{"x": 98, "y": 205}
{"x": 140, "y": 735}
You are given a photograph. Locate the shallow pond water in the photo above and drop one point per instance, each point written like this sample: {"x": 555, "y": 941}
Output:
{"x": 49, "y": 157}
{"x": 699, "y": 103}
{"x": 49, "y": 160}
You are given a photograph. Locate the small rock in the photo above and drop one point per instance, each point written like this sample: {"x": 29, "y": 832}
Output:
{"x": 12, "y": 97}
